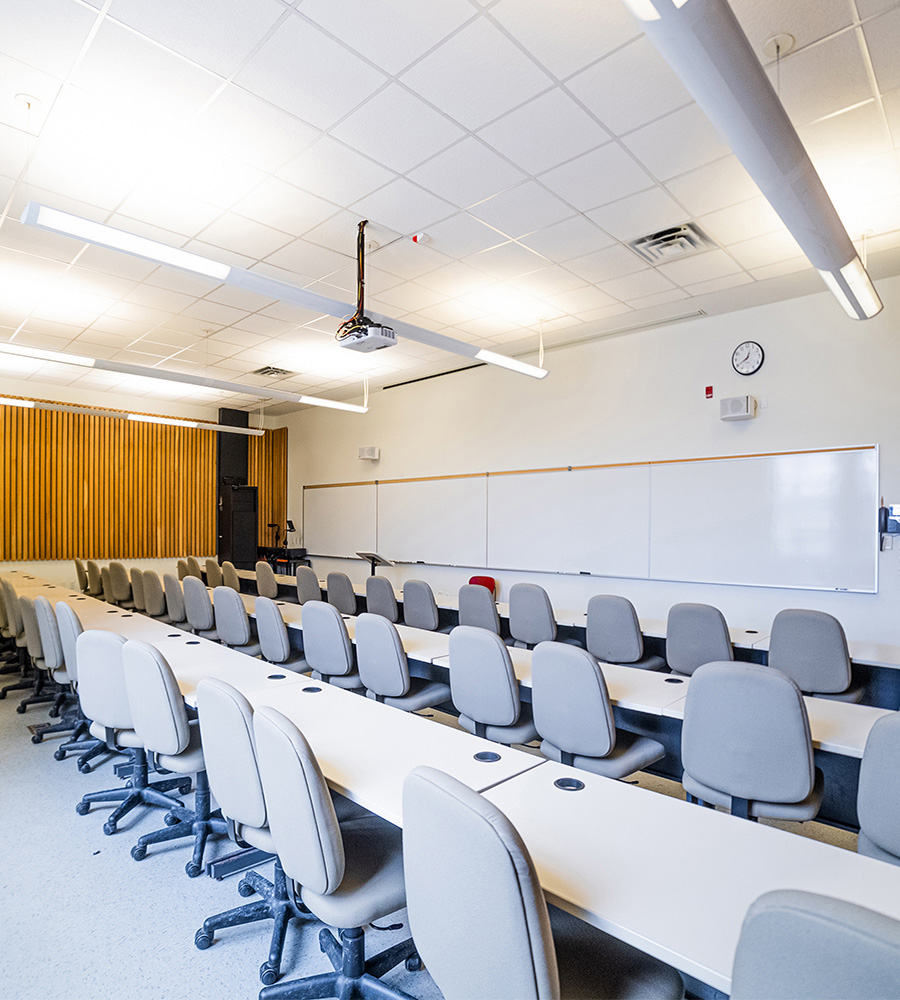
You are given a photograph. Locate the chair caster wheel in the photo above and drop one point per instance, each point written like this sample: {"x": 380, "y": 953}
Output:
{"x": 37, "y": 738}
{"x": 84, "y": 768}
{"x": 268, "y": 974}
{"x": 59, "y": 754}
{"x": 171, "y": 820}
{"x": 202, "y": 940}
{"x": 413, "y": 964}
{"x": 83, "y": 808}
{"x": 2, "y": 694}
{"x": 245, "y": 889}
{"x": 109, "y": 828}
{"x": 54, "y": 713}
{"x": 192, "y": 869}
{"x": 139, "y": 852}
{"x": 21, "y": 709}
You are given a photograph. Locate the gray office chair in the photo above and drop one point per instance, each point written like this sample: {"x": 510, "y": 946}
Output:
{"x": 384, "y": 670}
{"x": 274, "y": 639}
{"x": 531, "y": 618}
{"x": 72, "y": 721}
{"x": 478, "y": 608}
{"x": 182, "y": 569}
{"x": 380, "y": 599}
{"x": 214, "y": 576}
{"x": 193, "y": 566}
{"x": 349, "y": 873}
{"x": 101, "y": 688}
{"x": 230, "y": 577}
{"x": 811, "y": 648}
{"x": 95, "y": 582}
{"x": 137, "y": 589}
{"x": 198, "y": 608}
{"x": 266, "y": 584}
{"x": 39, "y": 695}
{"x": 161, "y": 722}
{"x": 121, "y": 585}
{"x": 15, "y": 633}
{"x": 614, "y": 633}
{"x": 339, "y": 591}
{"x": 174, "y": 595}
{"x": 696, "y": 634}
{"x": 573, "y": 715}
{"x": 308, "y": 588}
{"x": 106, "y": 585}
{"x": 419, "y": 607}
{"x": 233, "y": 623}
{"x": 81, "y": 574}
{"x": 83, "y": 743}
{"x": 154, "y": 597}
{"x": 877, "y": 801}
{"x": 745, "y": 743}
{"x": 484, "y": 689}
{"x": 798, "y": 945}
{"x": 327, "y": 646}
{"x": 479, "y": 917}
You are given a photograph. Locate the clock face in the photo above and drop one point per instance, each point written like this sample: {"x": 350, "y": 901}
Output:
{"x": 747, "y": 358}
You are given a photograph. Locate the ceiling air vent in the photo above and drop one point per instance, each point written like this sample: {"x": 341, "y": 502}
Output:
{"x": 269, "y": 371}
{"x": 672, "y": 244}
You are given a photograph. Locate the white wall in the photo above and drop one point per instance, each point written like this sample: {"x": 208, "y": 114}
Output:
{"x": 827, "y": 381}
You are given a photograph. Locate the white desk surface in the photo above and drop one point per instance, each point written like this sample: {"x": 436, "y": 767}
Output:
{"x": 366, "y": 749}
{"x": 598, "y": 853}
{"x": 877, "y": 654}
{"x": 746, "y": 638}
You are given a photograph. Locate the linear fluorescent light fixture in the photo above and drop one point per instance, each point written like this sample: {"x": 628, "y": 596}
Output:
{"x": 64, "y": 224}
{"x": 705, "y": 45}
{"x": 9, "y": 401}
{"x": 513, "y": 364}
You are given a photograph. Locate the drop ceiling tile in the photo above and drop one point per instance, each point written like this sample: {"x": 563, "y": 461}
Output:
{"x": 447, "y": 313}
{"x": 638, "y": 285}
{"x": 282, "y": 206}
{"x": 508, "y": 260}
{"x": 485, "y": 326}
{"x": 846, "y": 138}
{"x": 868, "y": 8}
{"x": 545, "y": 132}
{"x": 46, "y": 34}
{"x": 682, "y": 141}
{"x": 340, "y": 231}
{"x": 630, "y": 87}
{"x": 604, "y": 265}
{"x": 18, "y": 78}
{"x": 111, "y": 332}
{"x": 181, "y": 281}
{"x": 791, "y": 266}
{"x": 719, "y": 284}
{"x": 522, "y": 210}
{"x": 660, "y": 298}
{"x": 883, "y": 37}
{"x": 301, "y": 69}
{"x": 168, "y": 209}
{"x": 410, "y": 297}
{"x": 605, "y": 312}
{"x": 582, "y": 299}
{"x": 16, "y": 149}
{"x": 601, "y": 176}
{"x": 546, "y": 282}
{"x": 462, "y": 235}
{"x": 752, "y": 218}
{"x": 569, "y": 238}
{"x": 477, "y": 75}
{"x": 466, "y": 173}
{"x": 646, "y": 212}
{"x": 700, "y": 267}
{"x": 213, "y": 313}
{"x": 26, "y": 240}
{"x": 805, "y": 20}
{"x": 159, "y": 298}
{"x": 716, "y": 185}
{"x": 236, "y": 234}
{"x": 202, "y": 172}
{"x": 303, "y": 258}
{"x": 89, "y": 180}
{"x": 336, "y": 172}
{"x": 260, "y": 324}
{"x": 112, "y": 262}
{"x": 404, "y": 207}
{"x": 454, "y": 279}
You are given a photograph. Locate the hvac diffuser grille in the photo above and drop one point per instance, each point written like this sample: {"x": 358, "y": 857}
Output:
{"x": 672, "y": 244}
{"x": 270, "y": 371}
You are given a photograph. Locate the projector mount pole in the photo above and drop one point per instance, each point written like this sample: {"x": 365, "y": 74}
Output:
{"x": 358, "y": 319}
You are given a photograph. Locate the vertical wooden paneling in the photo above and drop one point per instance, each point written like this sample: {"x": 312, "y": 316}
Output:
{"x": 268, "y": 473}
{"x": 97, "y": 487}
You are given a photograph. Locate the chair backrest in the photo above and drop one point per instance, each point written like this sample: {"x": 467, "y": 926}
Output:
{"x": 476, "y": 908}
{"x": 613, "y": 629}
{"x": 696, "y": 634}
{"x": 13, "y": 611}
{"x": 119, "y": 581}
{"x": 477, "y": 607}
{"x": 339, "y": 590}
{"x": 154, "y": 598}
{"x": 307, "y": 585}
{"x": 197, "y": 605}
{"x": 214, "y": 576}
{"x": 193, "y": 565}
{"x": 301, "y": 814}
{"x": 95, "y": 583}
{"x": 570, "y": 700}
{"x": 531, "y": 618}
{"x": 419, "y": 607}
{"x": 380, "y": 657}
{"x": 101, "y": 681}
{"x": 232, "y": 623}
{"x": 32, "y": 632}
{"x": 182, "y": 569}
{"x": 106, "y": 585}
{"x": 137, "y": 589}
{"x": 273, "y": 634}
{"x": 266, "y": 584}
{"x": 81, "y": 574}
{"x": 485, "y": 581}
{"x": 157, "y": 707}
{"x": 482, "y": 681}
{"x": 229, "y": 751}
{"x": 4, "y": 617}
{"x": 51, "y": 642}
{"x": 380, "y": 599}
{"x": 746, "y": 733}
{"x": 174, "y": 599}
{"x": 70, "y": 628}
{"x": 230, "y": 577}
{"x": 808, "y": 947}
{"x": 877, "y": 802}
{"x": 326, "y": 645}
{"x": 811, "y": 648}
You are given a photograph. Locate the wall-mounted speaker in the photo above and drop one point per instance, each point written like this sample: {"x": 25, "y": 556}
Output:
{"x": 369, "y": 453}
{"x": 737, "y": 408}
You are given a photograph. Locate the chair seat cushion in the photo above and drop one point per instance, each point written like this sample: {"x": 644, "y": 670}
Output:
{"x": 853, "y": 694}
{"x": 61, "y": 676}
{"x": 631, "y": 753}
{"x": 189, "y": 761}
{"x": 648, "y": 662}
{"x": 422, "y": 694}
{"x": 593, "y": 964}
{"x": 256, "y": 836}
{"x": 522, "y": 731}
{"x": 250, "y": 648}
{"x": 799, "y": 811}
{"x": 165, "y": 619}
{"x": 208, "y": 633}
{"x": 349, "y": 681}
{"x": 373, "y": 883}
{"x": 127, "y": 738}
{"x": 296, "y": 662}
{"x": 872, "y": 850}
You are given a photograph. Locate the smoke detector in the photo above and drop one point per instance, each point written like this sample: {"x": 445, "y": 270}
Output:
{"x": 672, "y": 244}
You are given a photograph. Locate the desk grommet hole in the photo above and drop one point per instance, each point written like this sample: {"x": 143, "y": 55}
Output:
{"x": 112, "y": 612}
{"x": 193, "y": 642}
{"x": 275, "y": 677}
{"x": 128, "y": 616}
{"x": 172, "y": 635}
{"x": 486, "y": 756}
{"x": 311, "y": 689}
{"x": 569, "y": 784}
{"x": 674, "y": 680}
{"x": 752, "y": 631}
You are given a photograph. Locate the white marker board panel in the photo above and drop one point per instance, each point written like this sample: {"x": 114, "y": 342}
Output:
{"x": 587, "y": 520}
{"x": 339, "y": 520}
{"x": 803, "y": 521}
{"x": 441, "y": 521}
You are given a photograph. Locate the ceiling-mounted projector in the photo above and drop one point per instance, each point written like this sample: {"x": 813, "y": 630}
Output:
{"x": 360, "y": 333}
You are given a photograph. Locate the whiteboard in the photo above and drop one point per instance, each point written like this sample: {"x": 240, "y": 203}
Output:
{"x": 803, "y": 521}
{"x": 440, "y": 521}
{"x": 586, "y": 520}
{"x": 339, "y": 520}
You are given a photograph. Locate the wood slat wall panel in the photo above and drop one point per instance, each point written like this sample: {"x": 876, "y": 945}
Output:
{"x": 268, "y": 473}
{"x": 102, "y": 487}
